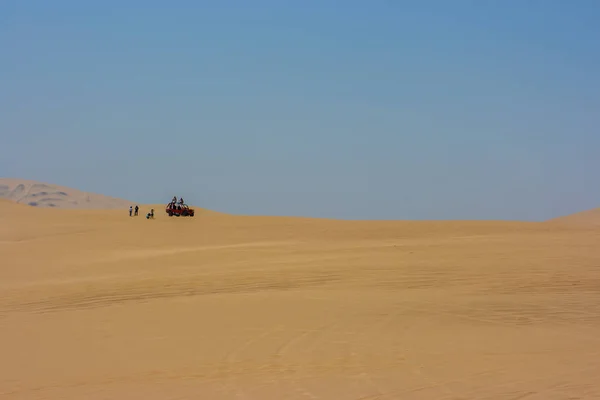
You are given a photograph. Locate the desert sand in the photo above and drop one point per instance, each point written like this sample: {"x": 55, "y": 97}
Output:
{"x": 95, "y": 304}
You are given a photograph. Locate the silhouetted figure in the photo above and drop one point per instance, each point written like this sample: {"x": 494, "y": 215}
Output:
{"x": 136, "y": 210}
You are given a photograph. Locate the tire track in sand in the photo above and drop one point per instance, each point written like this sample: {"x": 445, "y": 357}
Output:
{"x": 232, "y": 357}
{"x": 303, "y": 335}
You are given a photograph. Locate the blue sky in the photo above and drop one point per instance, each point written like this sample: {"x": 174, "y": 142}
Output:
{"x": 360, "y": 110}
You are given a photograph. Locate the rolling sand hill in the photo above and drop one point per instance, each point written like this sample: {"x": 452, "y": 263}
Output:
{"x": 95, "y": 304}
{"x": 47, "y": 195}
{"x": 590, "y": 218}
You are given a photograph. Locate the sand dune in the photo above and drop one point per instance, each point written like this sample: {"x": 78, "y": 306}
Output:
{"x": 95, "y": 304}
{"x": 589, "y": 218}
{"x": 42, "y": 194}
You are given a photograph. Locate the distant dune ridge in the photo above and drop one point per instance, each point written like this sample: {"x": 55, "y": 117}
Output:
{"x": 42, "y": 194}
{"x": 588, "y": 217}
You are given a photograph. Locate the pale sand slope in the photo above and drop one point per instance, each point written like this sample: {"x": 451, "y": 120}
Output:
{"x": 42, "y": 194}
{"x": 589, "y": 218}
{"x": 98, "y": 305}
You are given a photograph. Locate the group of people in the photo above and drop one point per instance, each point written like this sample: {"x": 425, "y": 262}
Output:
{"x": 174, "y": 204}
{"x": 131, "y": 210}
{"x": 136, "y": 210}
{"x": 174, "y": 200}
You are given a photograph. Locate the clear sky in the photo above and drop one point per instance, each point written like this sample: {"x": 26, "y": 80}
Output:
{"x": 343, "y": 109}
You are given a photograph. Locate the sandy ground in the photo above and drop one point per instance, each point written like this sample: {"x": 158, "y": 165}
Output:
{"x": 98, "y": 305}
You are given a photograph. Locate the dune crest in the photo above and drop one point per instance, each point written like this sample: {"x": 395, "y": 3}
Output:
{"x": 589, "y": 218}
{"x": 40, "y": 194}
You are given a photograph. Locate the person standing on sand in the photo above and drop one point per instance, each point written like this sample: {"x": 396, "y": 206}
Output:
{"x": 130, "y": 210}
{"x": 136, "y": 210}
